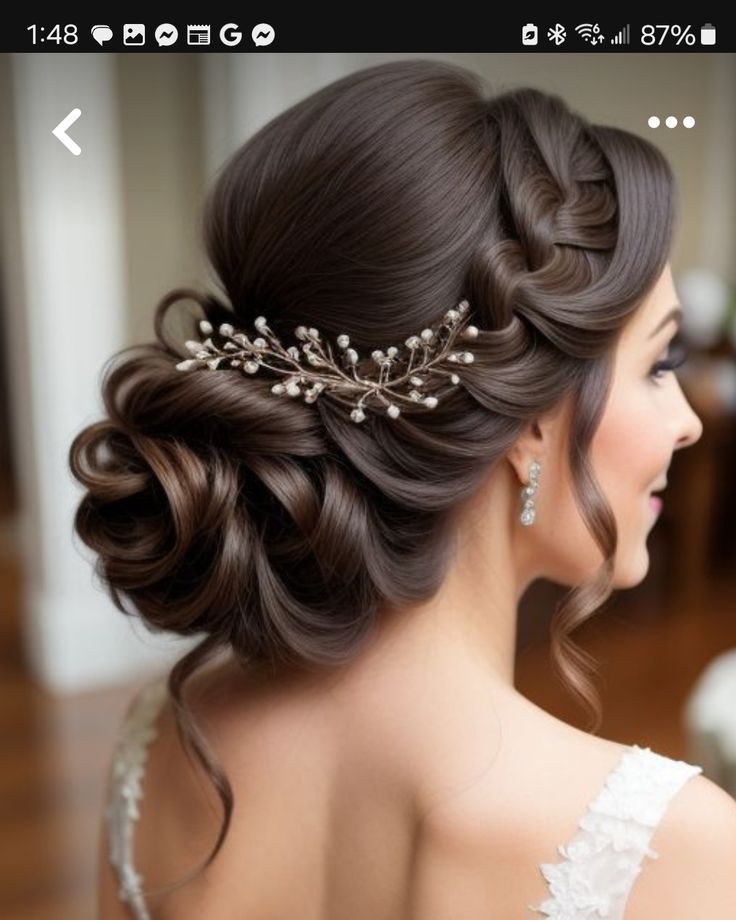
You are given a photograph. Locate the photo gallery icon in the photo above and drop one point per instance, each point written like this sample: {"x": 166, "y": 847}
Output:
{"x": 134, "y": 33}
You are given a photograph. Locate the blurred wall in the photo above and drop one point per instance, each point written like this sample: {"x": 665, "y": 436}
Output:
{"x": 162, "y": 173}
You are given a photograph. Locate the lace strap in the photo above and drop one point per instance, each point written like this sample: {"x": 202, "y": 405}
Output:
{"x": 125, "y": 778}
{"x": 603, "y": 859}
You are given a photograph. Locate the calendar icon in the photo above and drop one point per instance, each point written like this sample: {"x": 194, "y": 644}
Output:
{"x": 198, "y": 35}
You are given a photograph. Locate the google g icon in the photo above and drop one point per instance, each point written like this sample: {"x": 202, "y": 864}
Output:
{"x": 229, "y": 34}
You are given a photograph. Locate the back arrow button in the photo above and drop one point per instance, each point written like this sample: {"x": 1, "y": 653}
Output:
{"x": 60, "y": 131}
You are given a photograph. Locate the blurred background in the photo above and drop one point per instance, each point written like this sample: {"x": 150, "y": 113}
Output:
{"x": 89, "y": 244}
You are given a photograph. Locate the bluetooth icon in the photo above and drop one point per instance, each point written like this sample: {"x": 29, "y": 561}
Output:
{"x": 557, "y": 34}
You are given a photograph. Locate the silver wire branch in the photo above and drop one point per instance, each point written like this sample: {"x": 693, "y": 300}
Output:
{"x": 431, "y": 345}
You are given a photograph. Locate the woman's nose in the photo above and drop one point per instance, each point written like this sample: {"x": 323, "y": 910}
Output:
{"x": 692, "y": 428}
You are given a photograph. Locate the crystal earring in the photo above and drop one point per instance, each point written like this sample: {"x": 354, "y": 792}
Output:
{"x": 527, "y": 495}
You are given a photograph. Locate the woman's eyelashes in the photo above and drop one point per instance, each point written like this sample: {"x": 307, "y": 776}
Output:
{"x": 677, "y": 355}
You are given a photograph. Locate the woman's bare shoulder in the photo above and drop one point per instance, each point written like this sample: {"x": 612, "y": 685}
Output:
{"x": 504, "y": 808}
{"x": 529, "y": 764}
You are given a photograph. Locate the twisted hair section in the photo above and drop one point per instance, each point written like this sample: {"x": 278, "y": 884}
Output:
{"x": 280, "y": 531}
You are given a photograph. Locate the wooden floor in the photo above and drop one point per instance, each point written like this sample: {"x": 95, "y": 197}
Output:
{"x": 55, "y": 751}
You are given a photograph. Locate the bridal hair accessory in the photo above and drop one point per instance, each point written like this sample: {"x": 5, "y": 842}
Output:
{"x": 528, "y": 492}
{"x": 415, "y": 364}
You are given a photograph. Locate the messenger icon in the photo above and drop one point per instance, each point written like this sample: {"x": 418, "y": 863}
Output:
{"x": 263, "y": 34}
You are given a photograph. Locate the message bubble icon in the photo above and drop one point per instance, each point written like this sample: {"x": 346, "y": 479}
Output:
{"x": 101, "y": 34}
{"x": 263, "y": 34}
{"x": 166, "y": 34}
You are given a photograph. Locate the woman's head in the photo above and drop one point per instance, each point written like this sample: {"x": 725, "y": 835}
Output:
{"x": 282, "y": 530}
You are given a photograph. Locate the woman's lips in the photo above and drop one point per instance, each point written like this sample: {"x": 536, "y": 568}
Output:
{"x": 655, "y": 503}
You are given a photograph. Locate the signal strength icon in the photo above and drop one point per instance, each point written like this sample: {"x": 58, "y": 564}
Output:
{"x": 622, "y": 37}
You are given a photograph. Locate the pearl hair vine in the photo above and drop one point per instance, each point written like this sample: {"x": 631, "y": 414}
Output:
{"x": 416, "y": 364}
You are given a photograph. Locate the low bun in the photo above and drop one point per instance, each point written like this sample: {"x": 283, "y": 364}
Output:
{"x": 190, "y": 480}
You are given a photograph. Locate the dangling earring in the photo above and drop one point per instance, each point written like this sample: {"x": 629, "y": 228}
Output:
{"x": 527, "y": 495}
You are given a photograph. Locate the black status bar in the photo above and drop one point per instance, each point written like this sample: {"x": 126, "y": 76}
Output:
{"x": 302, "y": 32}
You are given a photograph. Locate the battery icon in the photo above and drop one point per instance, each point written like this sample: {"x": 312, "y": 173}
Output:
{"x": 708, "y": 34}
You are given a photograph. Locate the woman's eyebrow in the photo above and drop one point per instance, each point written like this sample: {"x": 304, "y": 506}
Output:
{"x": 675, "y": 313}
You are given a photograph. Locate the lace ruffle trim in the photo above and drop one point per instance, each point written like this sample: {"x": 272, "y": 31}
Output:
{"x": 126, "y": 775}
{"x": 603, "y": 859}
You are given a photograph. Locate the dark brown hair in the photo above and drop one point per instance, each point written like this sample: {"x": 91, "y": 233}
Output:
{"x": 279, "y": 529}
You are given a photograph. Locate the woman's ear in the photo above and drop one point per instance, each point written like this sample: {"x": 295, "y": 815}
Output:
{"x": 520, "y": 457}
{"x": 540, "y": 440}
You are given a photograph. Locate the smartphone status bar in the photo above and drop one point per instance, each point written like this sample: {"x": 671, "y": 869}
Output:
{"x": 301, "y": 33}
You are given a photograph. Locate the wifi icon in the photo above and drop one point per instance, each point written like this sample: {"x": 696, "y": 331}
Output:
{"x": 590, "y": 33}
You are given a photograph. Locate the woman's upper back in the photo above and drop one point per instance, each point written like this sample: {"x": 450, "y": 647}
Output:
{"x": 308, "y": 800}
{"x": 354, "y": 819}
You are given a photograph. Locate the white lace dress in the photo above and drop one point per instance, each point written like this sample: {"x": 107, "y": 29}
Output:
{"x": 125, "y": 790}
{"x": 593, "y": 880}
{"x": 603, "y": 859}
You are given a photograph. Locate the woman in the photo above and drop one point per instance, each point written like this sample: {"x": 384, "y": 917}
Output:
{"x": 437, "y": 371}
